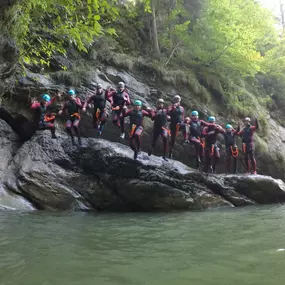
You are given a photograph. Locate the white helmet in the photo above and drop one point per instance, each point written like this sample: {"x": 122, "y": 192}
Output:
{"x": 247, "y": 119}
{"x": 176, "y": 99}
{"x": 159, "y": 101}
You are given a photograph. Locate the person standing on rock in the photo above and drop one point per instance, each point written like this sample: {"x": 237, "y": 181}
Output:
{"x": 192, "y": 132}
{"x": 248, "y": 144}
{"x": 99, "y": 114}
{"x": 119, "y": 99}
{"x": 212, "y": 152}
{"x": 136, "y": 125}
{"x": 72, "y": 107}
{"x": 40, "y": 109}
{"x": 231, "y": 151}
{"x": 160, "y": 117}
{"x": 176, "y": 114}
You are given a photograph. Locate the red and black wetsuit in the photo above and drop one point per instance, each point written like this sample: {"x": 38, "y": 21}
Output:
{"x": 193, "y": 133}
{"x": 72, "y": 107}
{"x": 99, "y": 114}
{"x": 248, "y": 145}
{"x": 212, "y": 152}
{"x": 118, "y": 99}
{"x": 136, "y": 126}
{"x": 231, "y": 149}
{"x": 176, "y": 118}
{"x": 159, "y": 117}
{"x": 39, "y": 116}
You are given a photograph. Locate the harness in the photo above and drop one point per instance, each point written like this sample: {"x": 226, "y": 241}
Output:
{"x": 202, "y": 142}
{"x": 177, "y": 129}
{"x": 97, "y": 113}
{"x": 167, "y": 130}
{"x": 75, "y": 116}
{"x": 212, "y": 150}
{"x": 234, "y": 151}
{"x": 116, "y": 108}
{"x": 132, "y": 130}
{"x": 244, "y": 147}
{"x": 48, "y": 118}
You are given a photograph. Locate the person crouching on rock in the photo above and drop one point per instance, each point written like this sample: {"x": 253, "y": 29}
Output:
{"x": 160, "y": 117}
{"x": 72, "y": 107}
{"x": 99, "y": 113}
{"x": 248, "y": 144}
{"x": 40, "y": 109}
{"x": 212, "y": 152}
{"x": 231, "y": 151}
{"x": 136, "y": 125}
{"x": 119, "y": 99}
{"x": 176, "y": 114}
{"x": 192, "y": 132}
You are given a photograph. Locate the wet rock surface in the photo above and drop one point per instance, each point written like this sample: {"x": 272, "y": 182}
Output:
{"x": 44, "y": 173}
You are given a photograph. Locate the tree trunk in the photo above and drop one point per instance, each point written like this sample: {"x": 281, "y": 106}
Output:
{"x": 282, "y": 16}
{"x": 154, "y": 30}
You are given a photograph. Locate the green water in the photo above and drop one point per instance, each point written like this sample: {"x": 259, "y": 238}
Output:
{"x": 228, "y": 247}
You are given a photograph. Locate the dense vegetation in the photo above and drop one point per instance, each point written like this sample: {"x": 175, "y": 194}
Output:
{"x": 231, "y": 48}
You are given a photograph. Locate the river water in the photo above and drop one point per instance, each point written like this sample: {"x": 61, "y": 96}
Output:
{"x": 225, "y": 247}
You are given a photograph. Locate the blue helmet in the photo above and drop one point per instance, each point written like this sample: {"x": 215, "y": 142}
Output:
{"x": 211, "y": 119}
{"x": 228, "y": 126}
{"x": 138, "y": 103}
{"x": 194, "y": 113}
{"x": 46, "y": 97}
{"x": 71, "y": 92}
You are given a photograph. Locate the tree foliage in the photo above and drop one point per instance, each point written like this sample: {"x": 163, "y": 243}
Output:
{"x": 42, "y": 28}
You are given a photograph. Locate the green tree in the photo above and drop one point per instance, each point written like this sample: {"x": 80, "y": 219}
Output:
{"x": 42, "y": 28}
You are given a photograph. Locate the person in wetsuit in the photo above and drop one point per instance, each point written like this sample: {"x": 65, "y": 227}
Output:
{"x": 136, "y": 125}
{"x": 119, "y": 99}
{"x": 159, "y": 116}
{"x": 192, "y": 131}
{"x": 99, "y": 114}
{"x": 212, "y": 152}
{"x": 72, "y": 107}
{"x": 248, "y": 144}
{"x": 39, "y": 112}
{"x": 176, "y": 114}
{"x": 231, "y": 149}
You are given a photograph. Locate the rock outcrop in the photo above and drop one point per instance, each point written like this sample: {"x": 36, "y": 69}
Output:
{"x": 44, "y": 173}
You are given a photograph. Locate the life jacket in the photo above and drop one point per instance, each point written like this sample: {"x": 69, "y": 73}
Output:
{"x": 160, "y": 119}
{"x": 99, "y": 101}
{"x": 195, "y": 129}
{"x": 176, "y": 115}
{"x": 247, "y": 136}
{"x": 136, "y": 118}
{"x": 119, "y": 98}
{"x": 230, "y": 139}
{"x": 211, "y": 139}
{"x": 72, "y": 107}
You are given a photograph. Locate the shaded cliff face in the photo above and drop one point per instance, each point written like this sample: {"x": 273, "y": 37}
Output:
{"x": 49, "y": 174}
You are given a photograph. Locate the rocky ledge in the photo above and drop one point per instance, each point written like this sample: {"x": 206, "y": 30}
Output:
{"x": 44, "y": 173}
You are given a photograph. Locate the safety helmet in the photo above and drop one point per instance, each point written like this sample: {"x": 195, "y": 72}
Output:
{"x": 194, "y": 113}
{"x": 212, "y": 119}
{"x": 46, "y": 97}
{"x": 121, "y": 85}
{"x": 160, "y": 101}
{"x": 247, "y": 119}
{"x": 138, "y": 103}
{"x": 71, "y": 92}
{"x": 228, "y": 126}
{"x": 99, "y": 86}
{"x": 176, "y": 99}
{"x": 187, "y": 119}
